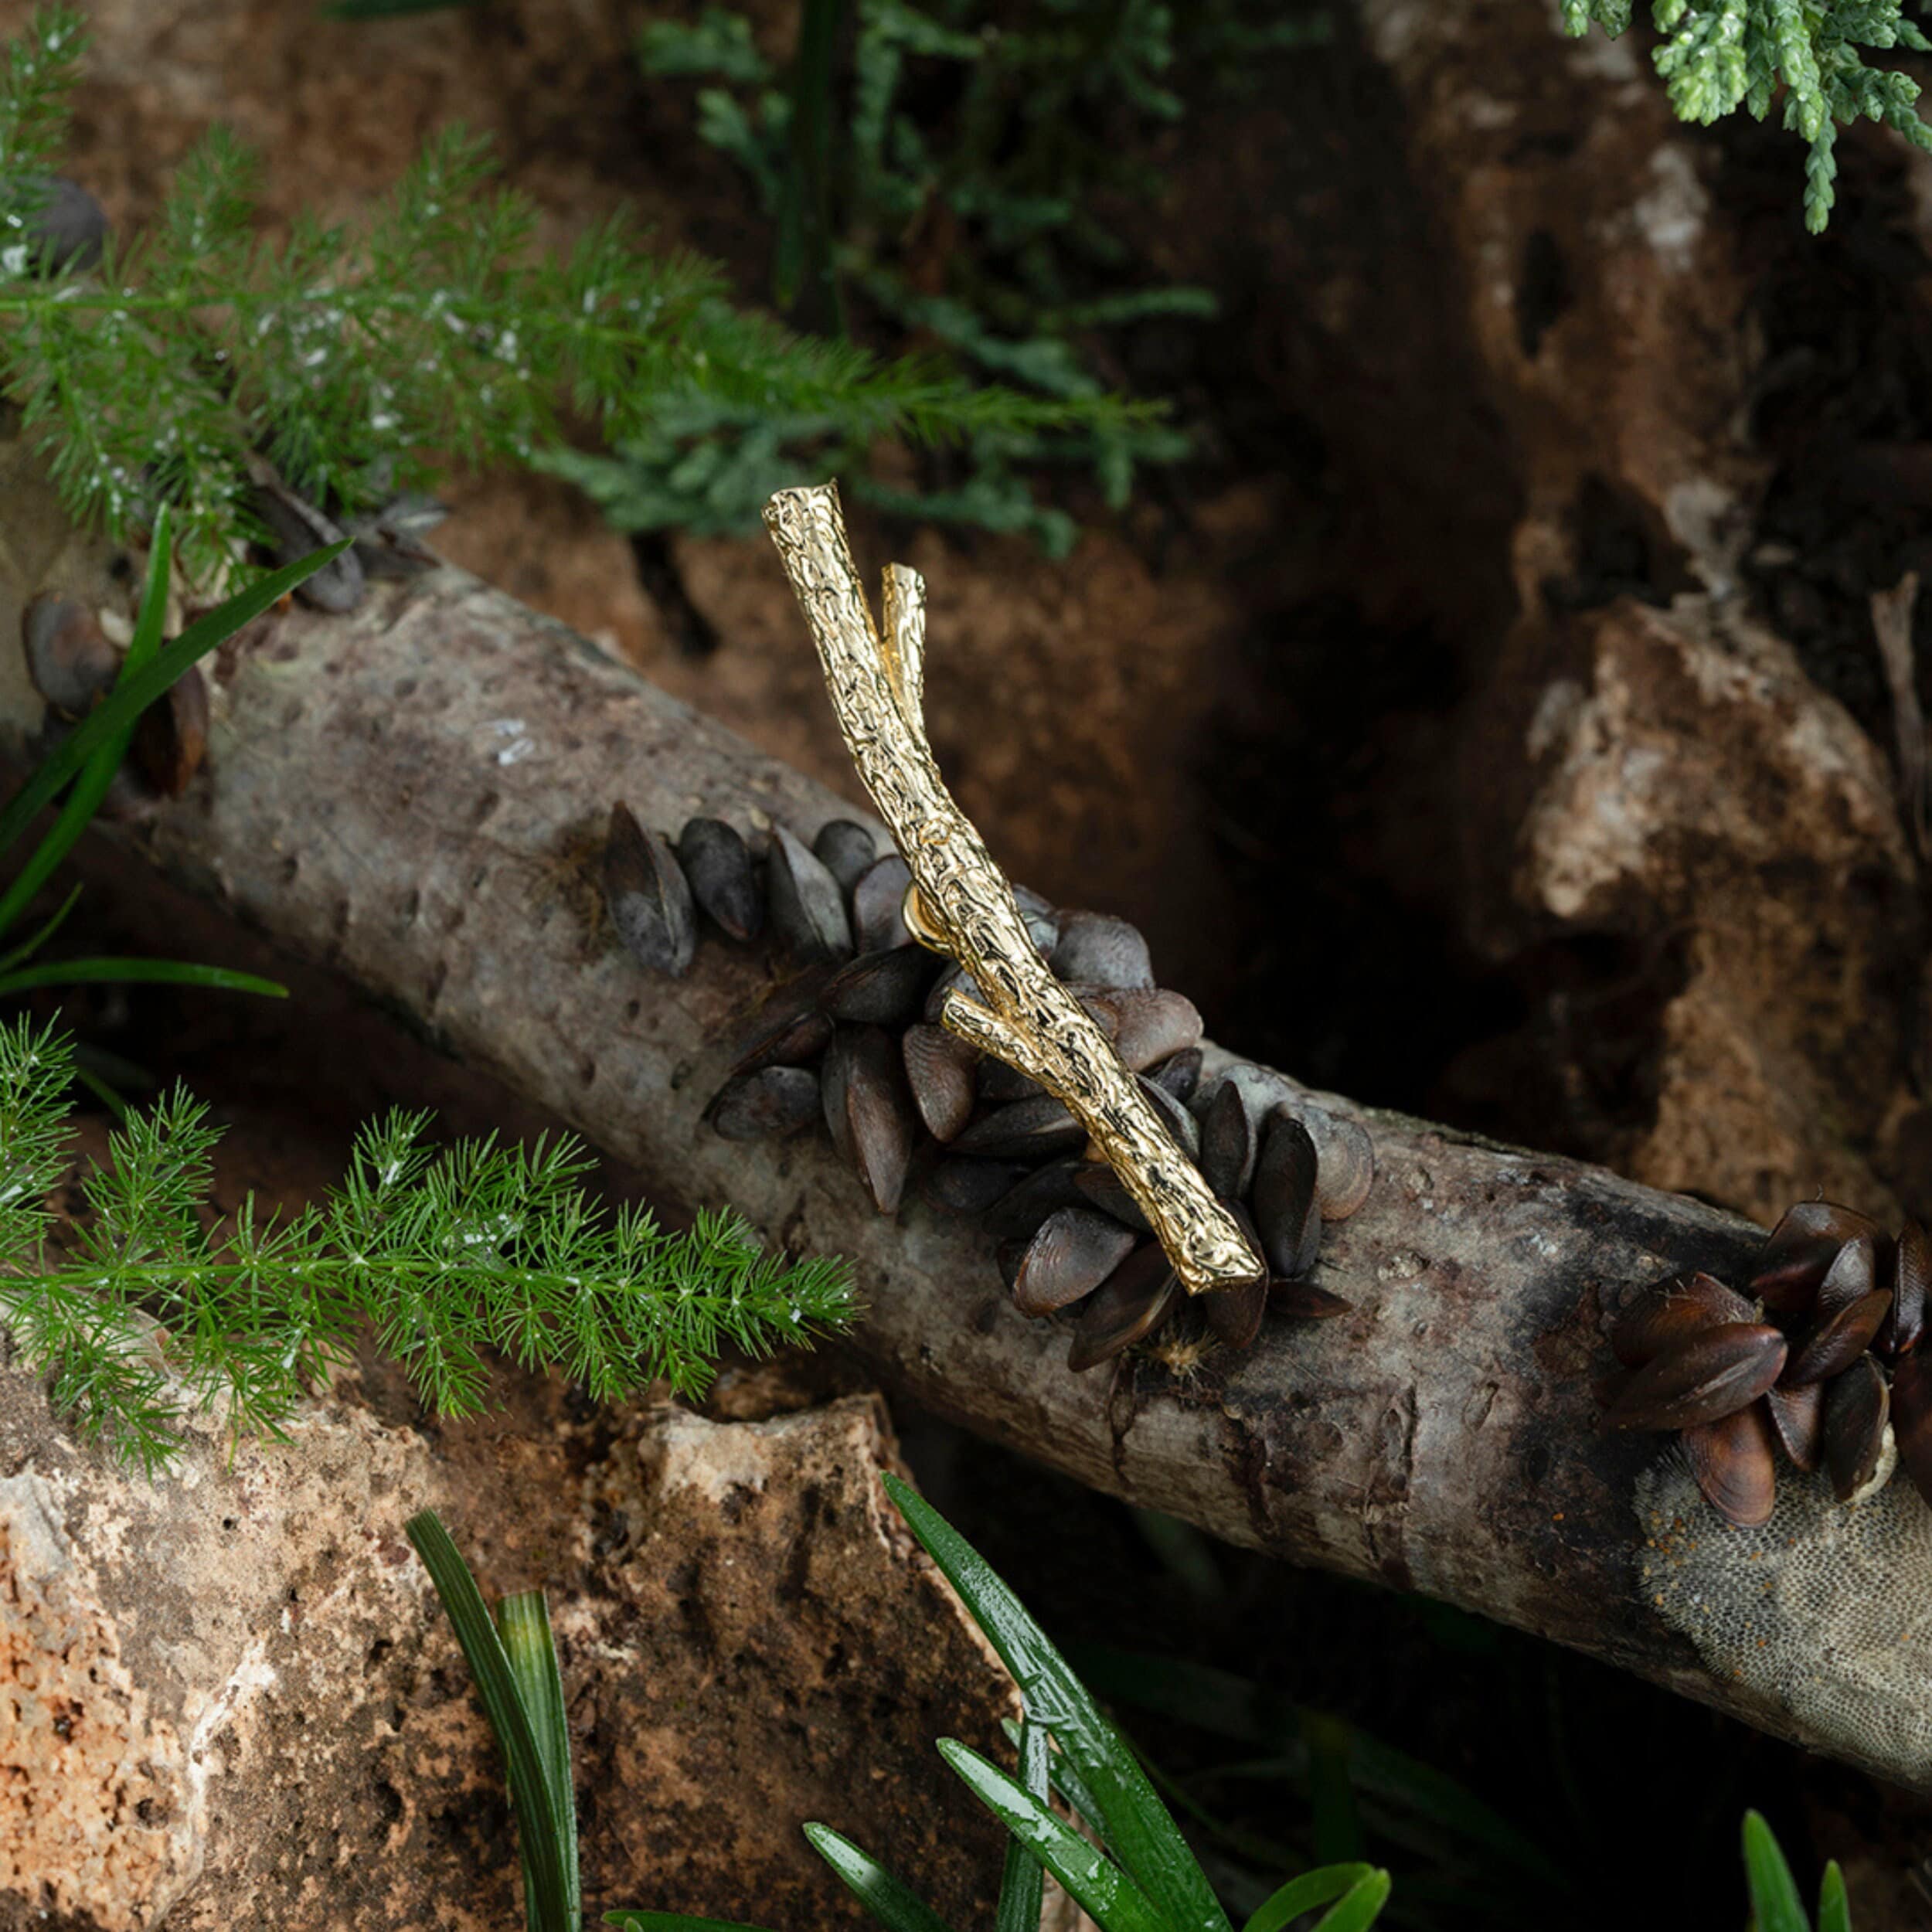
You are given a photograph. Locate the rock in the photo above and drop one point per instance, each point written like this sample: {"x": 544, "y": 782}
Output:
{"x": 240, "y": 1706}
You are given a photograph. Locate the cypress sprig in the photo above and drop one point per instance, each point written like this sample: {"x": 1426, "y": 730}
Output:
{"x": 147, "y": 1307}
{"x": 347, "y": 359}
{"x": 1720, "y": 55}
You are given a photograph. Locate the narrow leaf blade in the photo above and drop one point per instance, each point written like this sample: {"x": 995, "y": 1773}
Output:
{"x": 1360, "y": 1908}
{"x": 1135, "y": 1824}
{"x": 138, "y": 972}
{"x": 887, "y": 1897}
{"x": 515, "y": 1736}
{"x": 523, "y": 1622}
{"x": 1320, "y": 1887}
{"x": 1106, "y": 1892}
{"x": 1775, "y": 1903}
{"x": 1833, "y": 1908}
{"x": 1023, "y": 1885}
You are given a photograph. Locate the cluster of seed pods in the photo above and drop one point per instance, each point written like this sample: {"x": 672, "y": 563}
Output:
{"x": 1818, "y": 1355}
{"x": 851, "y": 1039}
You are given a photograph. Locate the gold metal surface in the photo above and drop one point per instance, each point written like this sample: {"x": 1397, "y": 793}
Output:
{"x": 960, "y": 902}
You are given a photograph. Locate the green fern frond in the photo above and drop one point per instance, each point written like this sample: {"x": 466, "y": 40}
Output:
{"x": 348, "y": 359}
{"x": 451, "y": 1257}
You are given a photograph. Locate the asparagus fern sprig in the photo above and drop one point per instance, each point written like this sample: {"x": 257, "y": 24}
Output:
{"x": 147, "y": 1305}
{"x": 347, "y": 358}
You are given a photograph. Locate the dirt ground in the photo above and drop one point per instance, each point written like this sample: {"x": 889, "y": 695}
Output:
{"x": 1251, "y": 714}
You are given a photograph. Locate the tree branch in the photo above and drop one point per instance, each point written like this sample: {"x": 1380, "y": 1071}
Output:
{"x": 414, "y": 794}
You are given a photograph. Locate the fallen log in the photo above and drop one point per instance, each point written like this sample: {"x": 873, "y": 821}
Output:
{"x": 414, "y": 794}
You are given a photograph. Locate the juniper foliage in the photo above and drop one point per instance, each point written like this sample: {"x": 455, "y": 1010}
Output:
{"x": 148, "y": 1306}
{"x": 948, "y": 187}
{"x": 1718, "y": 56}
{"x": 347, "y": 358}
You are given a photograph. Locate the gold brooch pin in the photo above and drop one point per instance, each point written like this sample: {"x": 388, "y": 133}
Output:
{"x": 960, "y": 904}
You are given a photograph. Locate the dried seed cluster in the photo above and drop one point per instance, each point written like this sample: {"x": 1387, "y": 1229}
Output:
{"x": 852, "y": 1039}
{"x": 73, "y": 664}
{"x": 1818, "y": 1356}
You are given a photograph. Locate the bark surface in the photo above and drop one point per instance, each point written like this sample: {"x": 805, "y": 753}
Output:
{"x": 415, "y": 795}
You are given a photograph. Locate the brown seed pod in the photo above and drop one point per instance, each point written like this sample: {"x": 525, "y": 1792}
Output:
{"x": 1856, "y": 1407}
{"x": 64, "y": 226}
{"x": 1179, "y": 1074}
{"x": 1912, "y": 1276}
{"x": 1659, "y": 1315}
{"x": 1019, "y": 1213}
{"x": 1835, "y": 1340}
{"x": 949, "y": 977}
{"x": 1853, "y": 1274}
{"x": 878, "y": 905}
{"x": 1345, "y": 1164}
{"x": 171, "y": 739}
{"x": 1149, "y": 1025}
{"x": 869, "y": 1112}
{"x": 771, "y": 1104}
{"x": 1073, "y": 1251}
{"x": 999, "y": 1083}
{"x": 845, "y": 850}
{"x": 1227, "y": 1143}
{"x": 880, "y": 989}
{"x": 1283, "y": 1196}
{"x": 1700, "y": 1377}
{"x": 1179, "y": 1122}
{"x": 1732, "y": 1460}
{"x": 807, "y": 908}
{"x": 648, "y": 897}
{"x": 1912, "y": 1417}
{"x": 1798, "y": 1416}
{"x": 1799, "y": 1251}
{"x": 1126, "y": 1308}
{"x": 963, "y": 1186}
{"x": 1303, "y": 1301}
{"x": 940, "y": 1068}
{"x": 70, "y": 659}
{"x": 717, "y": 861}
{"x": 1108, "y": 1192}
{"x": 294, "y": 528}
{"x": 1024, "y": 1130}
{"x": 1095, "y": 950}
{"x": 788, "y": 1030}
{"x": 1233, "y": 1315}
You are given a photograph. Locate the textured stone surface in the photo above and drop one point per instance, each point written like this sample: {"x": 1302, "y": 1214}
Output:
{"x": 232, "y": 1701}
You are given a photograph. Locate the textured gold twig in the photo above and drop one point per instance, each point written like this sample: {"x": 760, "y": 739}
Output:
{"x": 960, "y": 902}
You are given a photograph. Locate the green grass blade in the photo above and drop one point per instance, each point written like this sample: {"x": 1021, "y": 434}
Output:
{"x": 141, "y": 972}
{"x": 538, "y": 1829}
{"x": 674, "y": 1922}
{"x": 1064, "y": 1779}
{"x": 28, "y": 948}
{"x": 97, "y": 771}
{"x": 888, "y": 1898}
{"x": 1360, "y": 1908}
{"x": 1106, "y": 1892}
{"x": 1775, "y": 1904}
{"x": 1023, "y": 1885}
{"x": 1134, "y": 1823}
{"x": 523, "y": 1623}
{"x": 132, "y": 696}
{"x": 1833, "y": 1908}
{"x": 1303, "y": 1894}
